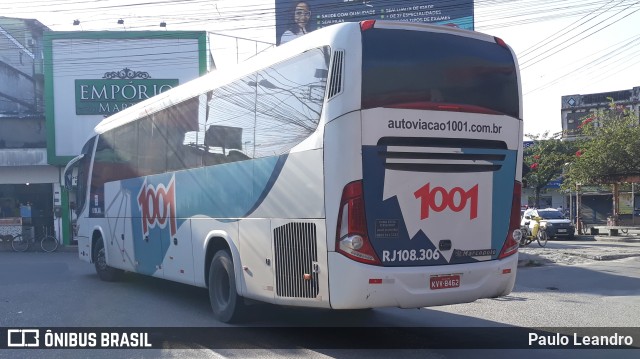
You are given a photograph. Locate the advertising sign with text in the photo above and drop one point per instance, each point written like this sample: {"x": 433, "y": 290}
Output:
{"x": 296, "y": 18}
{"x": 90, "y": 75}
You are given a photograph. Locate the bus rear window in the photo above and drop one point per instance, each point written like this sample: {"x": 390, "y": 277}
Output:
{"x": 418, "y": 69}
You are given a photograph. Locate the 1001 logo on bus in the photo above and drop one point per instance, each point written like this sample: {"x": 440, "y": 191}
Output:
{"x": 438, "y": 199}
{"x": 158, "y": 206}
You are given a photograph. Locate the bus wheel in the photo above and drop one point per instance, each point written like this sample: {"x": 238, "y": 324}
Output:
{"x": 106, "y": 273}
{"x": 227, "y": 305}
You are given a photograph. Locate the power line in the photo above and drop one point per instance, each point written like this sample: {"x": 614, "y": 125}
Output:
{"x": 566, "y": 30}
{"x": 236, "y": 17}
{"x": 578, "y": 40}
{"x": 624, "y": 46}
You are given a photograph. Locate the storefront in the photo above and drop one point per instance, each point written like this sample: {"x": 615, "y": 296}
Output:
{"x": 79, "y": 99}
{"x": 65, "y": 94}
{"x": 29, "y": 206}
{"x": 31, "y": 203}
{"x": 26, "y": 194}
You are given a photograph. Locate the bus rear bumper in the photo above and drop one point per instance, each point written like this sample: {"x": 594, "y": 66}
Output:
{"x": 354, "y": 285}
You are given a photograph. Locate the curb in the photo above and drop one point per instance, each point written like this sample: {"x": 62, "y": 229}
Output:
{"x": 603, "y": 238}
{"x": 534, "y": 260}
{"x": 530, "y": 260}
{"x": 69, "y": 248}
{"x": 606, "y": 257}
{"x": 625, "y": 239}
{"x": 61, "y": 248}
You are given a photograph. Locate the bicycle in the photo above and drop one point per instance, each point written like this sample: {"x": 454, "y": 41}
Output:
{"x": 48, "y": 242}
{"x": 538, "y": 233}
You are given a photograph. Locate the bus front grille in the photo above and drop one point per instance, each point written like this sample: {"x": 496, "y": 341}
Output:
{"x": 296, "y": 256}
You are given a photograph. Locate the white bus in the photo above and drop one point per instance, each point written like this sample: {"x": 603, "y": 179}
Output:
{"x": 372, "y": 164}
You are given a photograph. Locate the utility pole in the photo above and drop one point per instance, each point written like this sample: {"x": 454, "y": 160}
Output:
{"x": 633, "y": 203}
{"x": 578, "y": 221}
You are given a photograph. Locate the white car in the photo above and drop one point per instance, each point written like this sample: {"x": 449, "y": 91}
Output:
{"x": 553, "y": 221}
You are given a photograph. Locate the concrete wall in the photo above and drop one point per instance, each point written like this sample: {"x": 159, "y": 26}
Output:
{"x": 22, "y": 133}
{"x": 17, "y": 66}
{"x": 29, "y": 174}
{"x": 554, "y": 196}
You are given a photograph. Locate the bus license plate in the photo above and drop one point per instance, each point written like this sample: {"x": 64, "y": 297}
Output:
{"x": 444, "y": 281}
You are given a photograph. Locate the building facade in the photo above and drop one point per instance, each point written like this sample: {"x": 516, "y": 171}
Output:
{"x": 55, "y": 87}
{"x": 596, "y": 201}
{"x": 577, "y": 107}
{"x": 27, "y": 180}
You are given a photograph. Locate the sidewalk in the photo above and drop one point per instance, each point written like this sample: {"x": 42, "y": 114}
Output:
{"x": 5, "y": 246}
{"x": 588, "y": 248}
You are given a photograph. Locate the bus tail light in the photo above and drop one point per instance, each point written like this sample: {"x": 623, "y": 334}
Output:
{"x": 367, "y": 24}
{"x": 352, "y": 239}
{"x": 514, "y": 234}
{"x": 501, "y": 42}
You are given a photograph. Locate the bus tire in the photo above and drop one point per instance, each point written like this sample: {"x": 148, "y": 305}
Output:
{"x": 226, "y": 304}
{"x": 105, "y": 273}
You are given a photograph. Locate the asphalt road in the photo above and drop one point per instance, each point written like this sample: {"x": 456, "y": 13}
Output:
{"x": 57, "y": 290}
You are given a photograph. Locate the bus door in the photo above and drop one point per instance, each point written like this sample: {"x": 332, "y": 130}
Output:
{"x": 119, "y": 231}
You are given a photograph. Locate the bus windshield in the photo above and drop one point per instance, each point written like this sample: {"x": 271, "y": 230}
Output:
{"x": 431, "y": 70}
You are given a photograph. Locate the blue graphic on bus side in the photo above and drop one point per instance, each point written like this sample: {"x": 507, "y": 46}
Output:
{"x": 231, "y": 190}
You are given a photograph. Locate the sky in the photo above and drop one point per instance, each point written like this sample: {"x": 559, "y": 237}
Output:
{"x": 564, "y": 47}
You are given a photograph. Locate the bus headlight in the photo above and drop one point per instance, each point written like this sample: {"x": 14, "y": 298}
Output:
{"x": 516, "y": 235}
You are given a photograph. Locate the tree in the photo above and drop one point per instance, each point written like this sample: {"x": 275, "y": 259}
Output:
{"x": 609, "y": 152}
{"x": 546, "y": 159}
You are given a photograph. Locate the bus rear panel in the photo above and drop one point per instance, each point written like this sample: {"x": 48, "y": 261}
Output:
{"x": 429, "y": 221}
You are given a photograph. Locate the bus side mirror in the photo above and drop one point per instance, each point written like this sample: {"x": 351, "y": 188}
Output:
{"x": 71, "y": 173}
{"x": 70, "y": 178}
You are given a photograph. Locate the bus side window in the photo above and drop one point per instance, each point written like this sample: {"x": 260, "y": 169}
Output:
{"x": 104, "y": 161}
{"x": 228, "y": 139}
{"x": 231, "y": 122}
{"x": 179, "y": 122}
{"x": 126, "y": 152}
{"x": 290, "y": 99}
{"x": 151, "y": 147}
